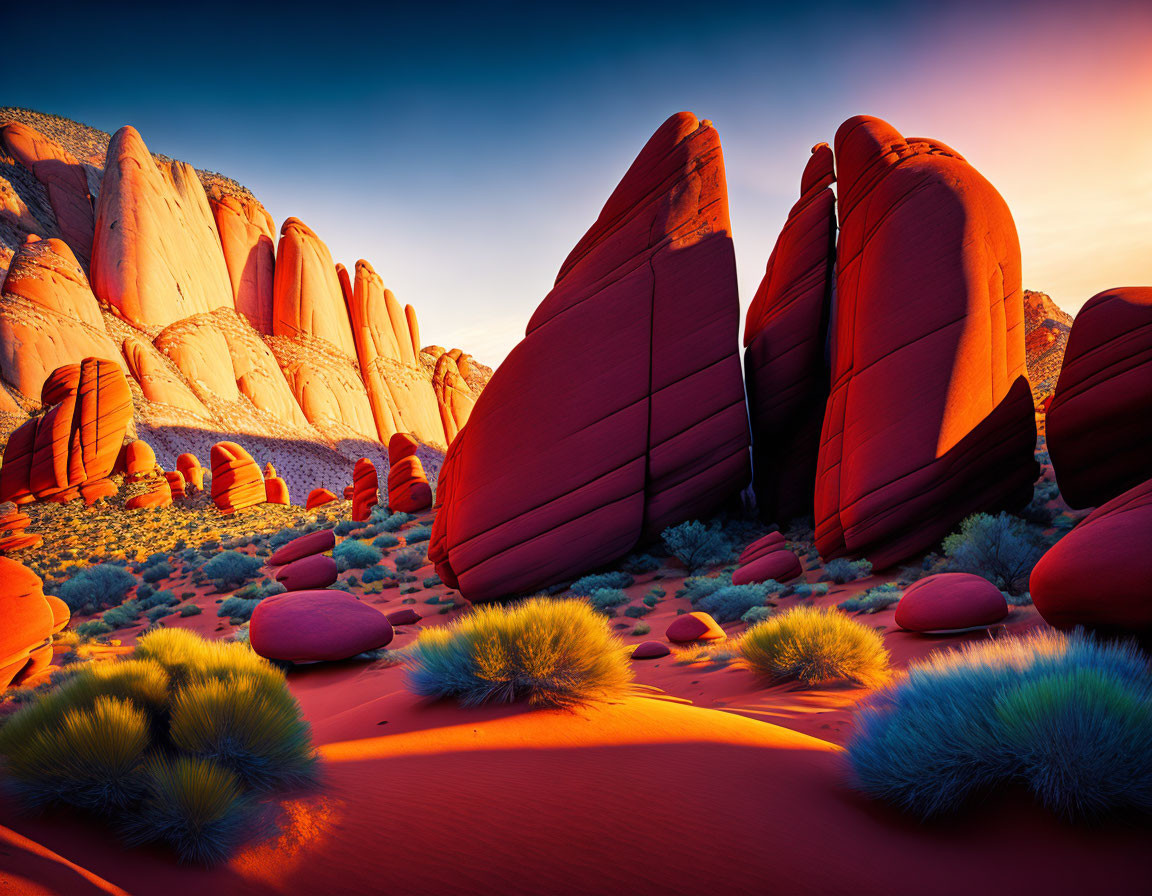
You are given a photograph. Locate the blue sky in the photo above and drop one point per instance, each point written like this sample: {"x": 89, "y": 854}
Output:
{"x": 463, "y": 150}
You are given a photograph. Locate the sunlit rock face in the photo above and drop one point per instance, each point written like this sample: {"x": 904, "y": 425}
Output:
{"x": 156, "y": 256}
{"x": 930, "y": 416}
{"x": 622, "y": 411}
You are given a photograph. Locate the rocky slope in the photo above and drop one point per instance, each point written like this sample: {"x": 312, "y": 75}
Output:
{"x": 169, "y": 271}
{"x": 1046, "y": 329}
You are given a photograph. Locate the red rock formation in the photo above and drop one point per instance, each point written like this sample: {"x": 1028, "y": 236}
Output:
{"x": 236, "y": 480}
{"x": 646, "y": 426}
{"x": 307, "y": 299}
{"x": 62, "y": 176}
{"x": 157, "y": 382}
{"x": 13, "y": 534}
{"x": 408, "y": 488}
{"x": 139, "y": 460}
{"x": 950, "y": 601}
{"x": 1100, "y": 418}
{"x": 276, "y": 491}
{"x": 780, "y": 565}
{"x": 453, "y": 397}
{"x": 650, "y": 650}
{"x": 304, "y": 546}
{"x": 176, "y": 483}
{"x": 248, "y": 240}
{"x": 404, "y": 616}
{"x": 365, "y": 489}
{"x": 189, "y": 467}
{"x": 159, "y": 493}
{"x": 1046, "y": 329}
{"x": 316, "y": 626}
{"x": 48, "y": 316}
{"x": 318, "y": 497}
{"x": 930, "y": 417}
{"x": 784, "y": 334}
{"x": 156, "y": 256}
{"x": 308, "y": 573}
{"x": 694, "y": 627}
{"x": 771, "y": 542}
{"x": 345, "y": 283}
{"x": 28, "y": 623}
{"x": 1099, "y": 575}
{"x": 74, "y": 444}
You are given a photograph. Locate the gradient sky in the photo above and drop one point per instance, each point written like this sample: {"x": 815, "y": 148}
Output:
{"x": 464, "y": 151}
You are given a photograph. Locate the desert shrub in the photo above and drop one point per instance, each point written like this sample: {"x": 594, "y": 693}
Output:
{"x": 1023, "y": 599}
{"x": 756, "y": 614}
{"x": 729, "y": 603}
{"x": 585, "y": 585}
{"x": 122, "y": 616}
{"x": 697, "y": 545}
{"x": 385, "y": 541}
{"x": 1067, "y": 715}
{"x": 417, "y": 535}
{"x": 156, "y": 599}
{"x": 805, "y": 589}
{"x": 92, "y": 628}
{"x": 96, "y": 587}
{"x": 155, "y": 572}
{"x": 231, "y": 569}
{"x": 814, "y": 646}
{"x": 281, "y": 538}
{"x": 641, "y": 628}
{"x": 190, "y": 610}
{"x": 408, "y": 560}
{"x": 353, "y": 554}
{"x": 376, "y": 574}
{"x": 241, "y": 724}
{"x": 194, "y": 806}
{"x": 842, "y": 570}
{"x": 1002, "y": 548}
{"x": 155, "y": 614}
{"x": 548, "y": 652}
{"x": 390, "y": 522}
{"x": 236, "y": 607}
{"x": 347, "y": 527}
{"x": 874, "y": 599}
{"x": 432, "y": 582}
{"x": 697, "y": 588}
{"x": 637, "y": 612}
{"x": 638, "y": 564}
{"x": 605, "y": 600}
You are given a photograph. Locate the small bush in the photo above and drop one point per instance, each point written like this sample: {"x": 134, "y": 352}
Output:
{"x": 124, "y": 615}
{"x": 417, "y": 535}
{"x": 231, "y": 569}
{"x": 353, "y": 554}
{"x": 642, "y": 628}
{"x": 815, "y": 646}
{"x": 156, "y": 572}
{"x": 842, "y": 570}
{"x": 1003, "y": 549}
{"x": 376, "y": 574}
{"x": 157, "y": 599}
{"x": 697, "y": 588}
{"x": 385, "y": 541}
{"x": 1067, "y": 715}
{"x": 605, "y": 600}
{"x": 432, "y": 582}
{"x": 756, "y": 614}
{"x": 390, "y": 522}
{"x": 190, "y": 610}
{"x": 347, "y": 527}
{"x": 409, "y": 560}
{"x": 635, "y": 612}
{"x": 638, "y": 564}
{"x": 585, "y": 585}
{"x": 92, "y": 628}
{"x": 731, "y": 602}
{"x": 96, "y": 587}
{"x": 236, "y": 607}
{"x": 805, "y": 589}
{"x": 697, "y": 545}
{"x": 192, "y": 805}
{"x": 546, "y": 651}
{"x": 874, "y": 599}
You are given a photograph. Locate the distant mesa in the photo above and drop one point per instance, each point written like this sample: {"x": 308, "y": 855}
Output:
{"x": 568, "y": 462}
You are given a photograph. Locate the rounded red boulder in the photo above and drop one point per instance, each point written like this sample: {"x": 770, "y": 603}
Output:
{"x": 236, "y": 480}
{"x": 304, "y": 546}
{"x": 1099, "y": 575}
{"x": 651, "y": 650}
{"x": 771, "y": 542}
{"x": 694, "y": 627}
{"x": 405, "y": 616}
{"x": 779, "y": 565}
{"x": 950, "y": 601}
{"x": 307, "y": 573}
{"x": 316, "y": 626}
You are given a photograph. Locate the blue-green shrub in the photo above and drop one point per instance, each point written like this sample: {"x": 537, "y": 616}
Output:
{"x": 353, "y": 554}
{"x": 587, "y": 584}
{"x": 842, "y": 570}
{"x": 96, "y": 587}
{"x": 1002, "y": 548}
{"x": 696, "y": 545}
{"x": 231, "y": 569}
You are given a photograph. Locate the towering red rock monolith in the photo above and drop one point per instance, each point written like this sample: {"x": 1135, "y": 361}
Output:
{"x": 1100, "y": 418}
{"x": 248, "y": 240}
{"x": 622, "y": 411}
{"x": 307, "y": 299}
{"x": 156, "y": 257}
{"x": 930, "y": 416}
{"x": 453, "y": 397}
{"x": 785, "y": 368}
{"x": 62, "y": 176}
{"x": 236, "y": 480}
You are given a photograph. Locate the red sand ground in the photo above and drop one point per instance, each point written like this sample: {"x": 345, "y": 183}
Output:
{"x": 703, "y": 781}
